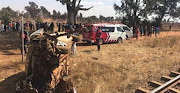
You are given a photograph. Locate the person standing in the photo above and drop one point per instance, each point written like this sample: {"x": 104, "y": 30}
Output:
{"x": 141, "y": 31}
{"x": 59, "y": 26}
{"x": 149, "y": 30}
{"x": 98, "y": 37}
{"x": 5, "y": 27}
{"x": 17, "y": 26}
{"x": 52, "y": 27}
{"x": 74, "y": 48}
{"x": 31, "y": 26}
{"x": 14, "y": 26}
{"x": 37, "y": 25}
{"x": 137, "y": 32}
{"x": 156, "y": 31}
{"x": 26, "y": 39}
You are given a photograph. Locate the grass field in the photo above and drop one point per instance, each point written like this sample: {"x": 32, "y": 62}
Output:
{"x": 121, "y": 68}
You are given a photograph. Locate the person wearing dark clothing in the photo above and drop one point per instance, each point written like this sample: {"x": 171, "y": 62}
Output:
{"x": 149, "y": 30}
{"x": 5, "y": 27}
{"x": 169, "y": 27}
{"x": 52, "y": 27}
{"x": 137, "y": 32}
{"x": 134, "y": 29}
{"x": 98, "y": 37}
{"x": 17, "y": 26}
{"x": 31, "y": 26}
{"x": 144, "y": 30}
{"x": 141, "y": 31}
{"x": 38, "y": 25}
{"x": 156, "y": 31}
{"x": 26, "y": 39}
{"x": 59, "y": 27}
{"x": 45, "y": 26}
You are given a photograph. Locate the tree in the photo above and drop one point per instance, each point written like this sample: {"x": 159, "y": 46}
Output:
{"x": 45, "y": 12}
{"x": 130, "y": 10}
{"x": 6, "y": 14}
{"x": 33, "y": 10}
{"x": 133, "y": 10}
{"x": 92, "y": 19}
{"x": 162, "y": 8}
{"x": 109, "y": 19}
{"x": 63, "y": 16}
{"x": 55, "y": 14}
{"x": 102, "y": 18}
{"x": 73, "y": 6}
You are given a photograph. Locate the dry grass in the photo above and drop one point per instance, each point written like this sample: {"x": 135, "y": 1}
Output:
{"x": 124, "y": 67}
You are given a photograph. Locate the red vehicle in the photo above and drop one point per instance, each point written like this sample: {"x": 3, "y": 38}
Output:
{"x": 110, "y": 33}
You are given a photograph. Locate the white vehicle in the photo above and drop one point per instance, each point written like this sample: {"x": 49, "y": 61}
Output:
{"x": 129, "y": 32}
{"x": 110, "y": 33}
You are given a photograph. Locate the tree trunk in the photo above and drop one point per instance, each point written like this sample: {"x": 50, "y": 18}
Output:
{"x": 75, "y": 16}
{"x": 70, "y": 16}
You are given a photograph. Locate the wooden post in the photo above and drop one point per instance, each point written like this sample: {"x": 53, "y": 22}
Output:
{"x": 22, "y": 28}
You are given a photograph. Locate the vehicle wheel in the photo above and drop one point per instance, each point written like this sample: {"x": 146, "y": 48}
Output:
{"x": 127, "y": 37}
{"x": 101, "y": 41}
{"x": 119, "y": 40}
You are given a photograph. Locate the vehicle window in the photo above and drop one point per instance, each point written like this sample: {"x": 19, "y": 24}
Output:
{"x": 126, "y": 28}
{"x": 119, "y": 29}
{"x": 107, "y": 29}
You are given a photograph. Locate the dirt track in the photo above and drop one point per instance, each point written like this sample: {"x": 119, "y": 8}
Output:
{"x": 90, "y": 71}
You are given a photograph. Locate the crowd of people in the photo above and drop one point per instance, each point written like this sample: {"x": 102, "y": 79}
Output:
{"x": 33, "y": 26}
{"x": 145, "y": 31}
{"x": 9, "y": 26}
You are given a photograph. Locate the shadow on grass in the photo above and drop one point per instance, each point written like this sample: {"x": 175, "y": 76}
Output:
{"x": 9, "y": 84}
{"x": 9, "y": 41}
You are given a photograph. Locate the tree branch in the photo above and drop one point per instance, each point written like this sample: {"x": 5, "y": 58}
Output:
{"x": 85, "y": 9}
{"x": 79, "y": 3}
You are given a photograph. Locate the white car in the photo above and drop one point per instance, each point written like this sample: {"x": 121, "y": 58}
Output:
{"x": 129, "y": 32}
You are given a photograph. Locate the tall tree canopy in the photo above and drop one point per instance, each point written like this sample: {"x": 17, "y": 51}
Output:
{"x": 73, "y": 6}
{"x": 163, "y": 8}
{"x": 130, "y": 10}
{"x": 133, "y": 10}
{"x": 7, "y": 13}
{"x": 45, "y": 12}
{"x": 33, "y": 10}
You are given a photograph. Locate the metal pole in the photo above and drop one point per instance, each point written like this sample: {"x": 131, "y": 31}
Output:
{"x": 22, "y": 28}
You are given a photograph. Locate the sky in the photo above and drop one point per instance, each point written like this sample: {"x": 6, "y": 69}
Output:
{"x": 100, "y": 7}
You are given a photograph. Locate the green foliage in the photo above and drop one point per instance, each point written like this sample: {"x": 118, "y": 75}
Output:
{"x": 33, "y": 10}
{"x": 45, "y": 12}
{"x": 163, "y": 8}
{"x": 107, "y": 19}
{"x": 56, "y": 15}
{"x": 132, "y": 10}
{"x": 6, "y": 14}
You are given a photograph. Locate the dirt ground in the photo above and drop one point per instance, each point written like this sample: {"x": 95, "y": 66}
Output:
{"x": 117, "y": 68}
